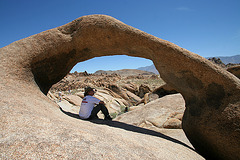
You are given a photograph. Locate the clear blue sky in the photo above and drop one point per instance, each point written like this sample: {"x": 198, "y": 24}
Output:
{"x": 206, "y": 27}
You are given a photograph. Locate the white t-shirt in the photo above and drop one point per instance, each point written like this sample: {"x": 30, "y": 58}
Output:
{"x": 87, "y": 105}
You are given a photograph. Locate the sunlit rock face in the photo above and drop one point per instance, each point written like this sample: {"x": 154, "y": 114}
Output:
{"x": 29, "y": 67}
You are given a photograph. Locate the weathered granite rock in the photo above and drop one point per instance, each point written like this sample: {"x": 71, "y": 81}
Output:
{"x": 113, "y": 104}
{"x": 172, "y": 123}
{"x": 131, "y": 87}
{"x": 235, "y": 70}
{"x": 166, "y": 89}
{"x": 157, "y": 113}
{"x": 52, "y": 96}
{"x": 119, "y": 91}
{"x": 134, "y": 99}
{"x": 143, "y": 89}
{"x": 34, "y": 64}
{"x": 73, "y": 99}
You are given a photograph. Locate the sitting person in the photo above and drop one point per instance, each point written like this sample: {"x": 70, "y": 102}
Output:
{"x": 88, "y": 110}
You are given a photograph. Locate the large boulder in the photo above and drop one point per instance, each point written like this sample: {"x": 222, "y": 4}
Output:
{"x": 131, "y": 87}
{"x": 165, "y": 112}
{"x": 118, "y": 91}
{"x": 164, "y": 90}
{"x": 29, "y": 67}
{"x": 134, "y": 99}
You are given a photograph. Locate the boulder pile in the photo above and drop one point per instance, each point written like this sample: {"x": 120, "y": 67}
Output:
{"x": 120, "y": 93}
{"x": 230, "y": 67}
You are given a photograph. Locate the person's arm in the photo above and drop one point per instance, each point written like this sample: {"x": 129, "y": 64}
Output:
{"x": 97, "y": 101}
{"x": 101, "y": 102}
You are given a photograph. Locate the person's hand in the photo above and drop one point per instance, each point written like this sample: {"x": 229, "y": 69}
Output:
{"x": 101, "y": 102}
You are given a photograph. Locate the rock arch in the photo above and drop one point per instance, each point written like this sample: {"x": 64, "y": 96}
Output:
{"x": 211, "y": 119}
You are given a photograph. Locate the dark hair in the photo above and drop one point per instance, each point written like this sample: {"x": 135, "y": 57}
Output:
{"x": 87, "y": 89}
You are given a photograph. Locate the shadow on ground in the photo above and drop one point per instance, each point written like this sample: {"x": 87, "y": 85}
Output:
{"x": 129, "y": 127}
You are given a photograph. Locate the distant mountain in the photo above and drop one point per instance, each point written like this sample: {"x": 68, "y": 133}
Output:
{"x": 124, "y": 72}
{"x": 231, "y": 59}
{"x": 226, "y": 60}
{"x": 151, "y": 68}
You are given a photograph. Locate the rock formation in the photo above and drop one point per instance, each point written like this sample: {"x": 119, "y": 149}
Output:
{"x": 230, "y": 67}
{"x": 164, "y": 112}
{"x": 143, "y": 89}
{"x": 235, "y": 70}
{"x": 31, "y": 122}
{"x": 217, "y": 61}
{"x": 164, "y": 90}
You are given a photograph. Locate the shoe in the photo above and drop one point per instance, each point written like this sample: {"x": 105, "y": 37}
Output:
{"x": 95, "y": 117}
{"x": 108, "y": 118}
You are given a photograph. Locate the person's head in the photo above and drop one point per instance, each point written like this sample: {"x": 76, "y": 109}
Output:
{"x": 89, "y": 91}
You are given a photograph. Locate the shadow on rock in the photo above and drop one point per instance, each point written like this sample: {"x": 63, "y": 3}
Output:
{"x": 129, "y": 127}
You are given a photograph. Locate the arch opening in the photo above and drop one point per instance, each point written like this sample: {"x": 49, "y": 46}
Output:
{"x": 116, "y": 64}
{"x": 128, "y": 75}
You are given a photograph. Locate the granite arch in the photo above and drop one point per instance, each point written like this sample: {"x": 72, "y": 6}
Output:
{"x": 211, "y": 119}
